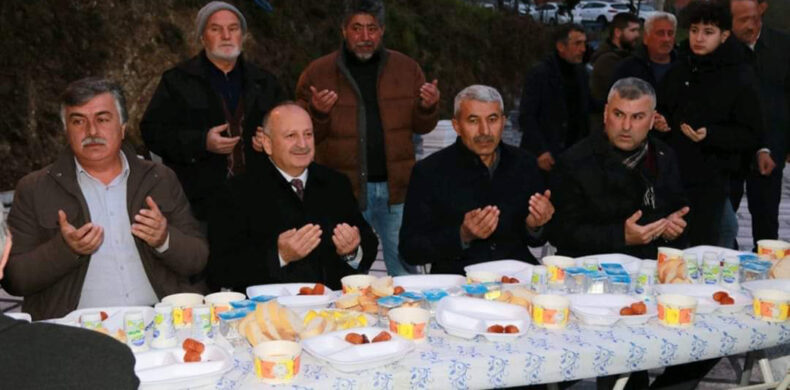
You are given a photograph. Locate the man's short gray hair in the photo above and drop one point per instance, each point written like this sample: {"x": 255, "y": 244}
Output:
{"x": 267, "y": 128}
{"x": 481, "y": 93}
{"x": 83, "y": 90}
{"x": 632, "y": 88}
{"x": 660, "y": 15}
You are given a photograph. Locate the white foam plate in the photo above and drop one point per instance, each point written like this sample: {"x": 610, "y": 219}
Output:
{"x": 704, "y": 294}
{"x": 347, "y": 357}
{"x": 288, "y": 295}
{"x": 20, "y": 316}
{"x": 114, "y": 319}
{"x": 719, "y": 251}
{"x": 468, "y": 317}
{"x": 425, "y": 282}
{"x": 511, "y": 268}
{"x": 165, "y": 368}
{"x": 604, "y": 309}
{"x": 767, "y": 284}
{"x": 630, "y": 263}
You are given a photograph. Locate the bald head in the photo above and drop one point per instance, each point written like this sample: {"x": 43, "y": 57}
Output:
{"x": 289, "y": 138}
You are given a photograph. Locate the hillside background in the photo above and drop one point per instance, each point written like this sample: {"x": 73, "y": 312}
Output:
{"x": 47, "y": 44}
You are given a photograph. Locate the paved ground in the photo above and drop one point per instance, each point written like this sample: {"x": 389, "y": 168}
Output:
{"x": 723, "y": 376}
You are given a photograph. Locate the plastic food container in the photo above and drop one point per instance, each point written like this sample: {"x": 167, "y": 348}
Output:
{"x": 388, "y": 303}
{"x": 229, "y": 324}
{"x": 356, "y": 283}
{"x": 598, "y": 283}
{"x": 475, "y": 290}
{"x": 243, "y": 304}
{"x": 773, "y": 249}
{"x": 182, "y": 307}
{"x": 220, "y": 302}
{"x": 576, "y": 280}
{"x": 433, "y": 296}
{"x": 410, "y": 323}
{"x": 277, "y": 361}
{"x": 676, "y": 311}
{"x": 771, "y": 305}
{"x": 482, "y": 277}
{"x": 550, "y": 311}
{"x": 556, "y": 266}
{"x": 754, "y": 270}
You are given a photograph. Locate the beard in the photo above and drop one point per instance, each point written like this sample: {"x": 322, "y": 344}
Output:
{"x": 223, "y": 55}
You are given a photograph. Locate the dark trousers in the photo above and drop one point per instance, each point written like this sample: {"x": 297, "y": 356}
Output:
{"x": 763, "y": 194}
{"x": 681, "y": 377}
{"x": 704, "y": 218}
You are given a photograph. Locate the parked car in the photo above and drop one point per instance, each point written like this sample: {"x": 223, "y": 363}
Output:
{"x": 600, "y": 12}
{"x": 550, "y": 13}
{"x": 646, "y": 11}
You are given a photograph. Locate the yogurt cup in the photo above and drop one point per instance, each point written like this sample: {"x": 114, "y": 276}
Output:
{"x": 182, "y": 307}
{"x": 556, "y": 268}
{"x": 220, "y": 302}
{"x": 771, "y": 305}
{"x": 410, "y": 323}
{"x": 550, "y": 311}
{"x": 277, "y": 361}
{"x": 773, "y": 249}
{"x": 356, "y": 283}
{"x": 676, "y": 311}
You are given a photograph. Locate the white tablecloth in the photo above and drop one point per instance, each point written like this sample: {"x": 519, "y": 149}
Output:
{"x": 541, "y": 356}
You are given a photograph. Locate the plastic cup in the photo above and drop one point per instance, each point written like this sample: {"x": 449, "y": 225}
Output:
{"x": 277, "y": 361}
{"x": 771, "y": 305}
{"x": 676, "y": 311}
{"x": 773, "y": 249}
{"x": 556, "y": 268}
{"x": 220, "y": 302}
{"x": 182, "y": 307}
{"x": 356, "y": 283}
{"x": 410, "y": 322}
{"x": 550, "y": 311}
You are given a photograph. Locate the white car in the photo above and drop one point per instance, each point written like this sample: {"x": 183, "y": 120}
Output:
{"x": 601, "y": 12}
{"x": 549, "y": 13}
{"x": 646, "y": 11}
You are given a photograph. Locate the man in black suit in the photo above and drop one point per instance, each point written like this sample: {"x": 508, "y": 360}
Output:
{"x": 476, "y": 200}
{"x": 772, "y": 66}
{"x": 291, "y": 221}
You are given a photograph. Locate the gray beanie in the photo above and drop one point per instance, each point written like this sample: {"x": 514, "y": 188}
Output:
{"x": 212, "y": 7}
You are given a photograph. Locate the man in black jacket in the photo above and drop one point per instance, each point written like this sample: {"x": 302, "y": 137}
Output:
{"x": 292, "y": 221}
{"x": 619, "y": 191}
{"x": 772, "y": 65}
{"x": 555, "y": 100}
{"x": 205, "y": 110}
{"x": 711, "y": 103}
{"x": 476, "y": 200}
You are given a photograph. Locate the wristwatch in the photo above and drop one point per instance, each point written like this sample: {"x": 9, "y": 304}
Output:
{"x": 351, "y": 256}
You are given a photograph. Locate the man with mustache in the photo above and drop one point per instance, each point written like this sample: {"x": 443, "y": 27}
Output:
{"x": 555, "y": 101}
{"x": 771, "y": 49}
{"x": 295, "y": 221}
{"x": 205, "y": 110}
{"x": 478, "y": 199}
{"x": 366, "y": 103}
{"x": 100, "y": 227}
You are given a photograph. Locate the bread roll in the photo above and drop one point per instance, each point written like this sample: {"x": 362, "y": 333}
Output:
{"x": 383, "y": 287}
{"x": 780, "y": 269}
{"x": 347, "y": 301}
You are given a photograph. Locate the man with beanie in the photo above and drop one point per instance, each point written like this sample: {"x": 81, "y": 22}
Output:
{"x": 366, "y": 102}
{"x": 206, "y": 109}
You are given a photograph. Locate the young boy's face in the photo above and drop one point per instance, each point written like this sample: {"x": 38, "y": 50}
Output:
{"x": 705, "y": 38}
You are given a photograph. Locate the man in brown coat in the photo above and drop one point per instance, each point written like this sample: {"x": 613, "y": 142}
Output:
{"x": 100, "y": 227}
{"x": 366, "y": 103}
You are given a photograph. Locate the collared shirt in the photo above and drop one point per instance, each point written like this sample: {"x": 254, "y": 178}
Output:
{"x": 115, "y": 272}
{"x": 303, "y": 177}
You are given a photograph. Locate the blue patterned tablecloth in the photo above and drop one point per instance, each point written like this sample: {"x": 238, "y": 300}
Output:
{"x": 541, "y": 356}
